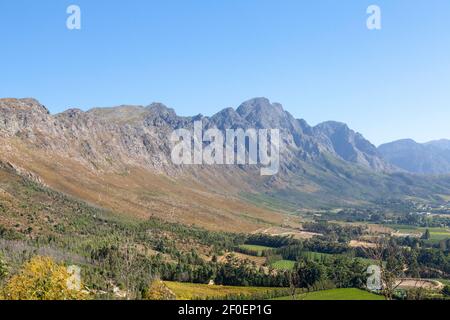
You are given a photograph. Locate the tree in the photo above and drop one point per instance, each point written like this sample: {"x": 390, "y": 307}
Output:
{"x": 446, "y": 291}
{"x": 293, "y": 283}
{"x": 129, "y": 267}
{"x": 418, "y": 293}
{"x": 390, "y": 261}
{"x": 41, "y": 279}
{"x": 426, "y": 235}
{"x": 308, "y": 273}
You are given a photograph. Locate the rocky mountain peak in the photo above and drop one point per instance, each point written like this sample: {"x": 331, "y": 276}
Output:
{"x": 259, "y": 106}
{"x": 71, "y": 113}
{"x": 351, "y": 146}
{"x": 332, "y": 127}
{"x": 158, "y": 106}
{"x": 22, "y": 116}
{"x": 261, "y": 113}
{"x": 160, "y": 109}
{"x": 138, "y": 134}
{"x": 160, "y": 115}
{"x": 25, "y": 105}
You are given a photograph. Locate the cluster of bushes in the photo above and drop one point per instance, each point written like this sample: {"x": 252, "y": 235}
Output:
{"x": 341, "y": 272}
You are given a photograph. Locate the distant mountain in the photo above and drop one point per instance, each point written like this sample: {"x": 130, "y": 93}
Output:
{"x": 427, "y": 158}
{"x": 352, "y": 146}
{"x": 119, "y": 159}
{"x": 442, "y": 144}
{"x": 330, "y": 138}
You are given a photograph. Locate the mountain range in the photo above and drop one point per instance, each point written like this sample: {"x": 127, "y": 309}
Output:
{"x": 424, "y": 158}
{"x": 119, "y": 159}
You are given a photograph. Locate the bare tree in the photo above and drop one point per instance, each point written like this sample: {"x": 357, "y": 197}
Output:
{"x": 390, "y": 261}
{"x": 131, "y": 267}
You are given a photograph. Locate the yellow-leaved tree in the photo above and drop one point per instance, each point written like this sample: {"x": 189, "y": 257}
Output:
{"x": 159, "y": 291}
{"x": 41, "y": 279}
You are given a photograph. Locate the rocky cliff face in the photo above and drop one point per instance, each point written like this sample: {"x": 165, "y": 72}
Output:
{"x": 301, "y": 141}
{"x": 139, "y": 136}
{"x": 100, "y": 138}
{"x": 119, "y": 159}
{"x": 82, "y": 153}
{"x": 351, "y": 146}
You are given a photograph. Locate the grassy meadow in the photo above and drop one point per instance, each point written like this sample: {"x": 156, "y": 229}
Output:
{"x": 283, "y": 265}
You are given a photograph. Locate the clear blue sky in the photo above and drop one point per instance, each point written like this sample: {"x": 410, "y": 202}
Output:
{"x": 316, "y": 57}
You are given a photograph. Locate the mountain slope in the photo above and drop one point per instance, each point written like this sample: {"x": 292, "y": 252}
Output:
{"x": 442, "y": 144}
{"x": 119, "y": 159}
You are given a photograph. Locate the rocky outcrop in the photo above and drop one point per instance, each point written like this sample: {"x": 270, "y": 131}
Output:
{"x": 328, "y": 163}
{"x": 139, "y": 136}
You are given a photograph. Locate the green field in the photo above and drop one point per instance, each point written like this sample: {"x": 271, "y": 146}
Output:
{"x": 437, "y": 234}
{"x": 256, "y": 250}
{"x": 283, "y": 265}
{"x": 336, "y": 294}
{"x": 192, "y": 291}
{"x": 446, "y": 282}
